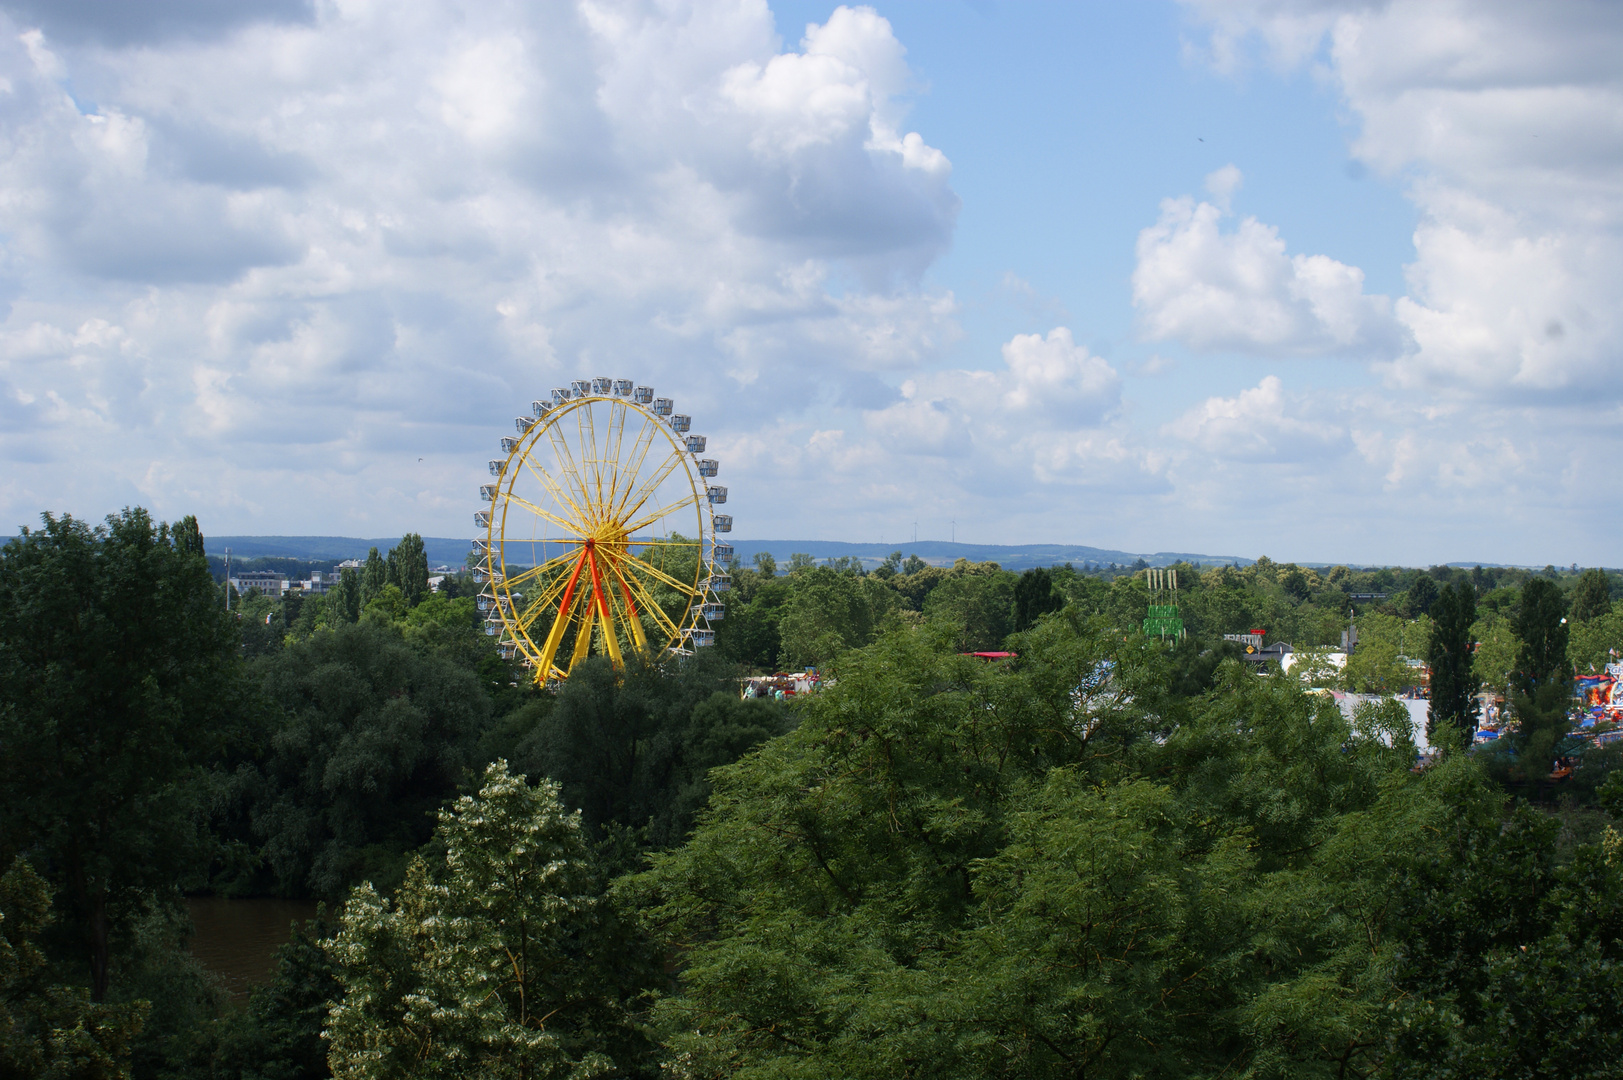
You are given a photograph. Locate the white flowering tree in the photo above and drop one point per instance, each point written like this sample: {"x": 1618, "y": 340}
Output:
{"x": 486, "y": 964}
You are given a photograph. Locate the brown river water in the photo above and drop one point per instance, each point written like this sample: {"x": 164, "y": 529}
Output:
{"x": 237, "y": 939}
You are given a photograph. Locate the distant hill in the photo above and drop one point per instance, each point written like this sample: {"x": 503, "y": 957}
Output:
{"x": 439, "y": 549}
{"x": 935, "y": 552}
{"x": 944, "y": 553}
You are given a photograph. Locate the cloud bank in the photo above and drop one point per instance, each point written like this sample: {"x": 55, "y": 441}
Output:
{"x": 263, "y": 260}
{"x": 257, "y": 260}
{"x": 1497, "y": 376}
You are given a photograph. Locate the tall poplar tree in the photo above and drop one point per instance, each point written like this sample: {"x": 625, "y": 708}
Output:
{"x": 374, "y": 576}
{"x": 410, "y": 563}
{"x": 1453, "y": 684}
{"x": 1034, "y": 596}
{"x": 1592, "y": 596}
{"x": 348, "y": 594}
{"x": 1543, "y": 675}
{"x": 1541, "y": 628}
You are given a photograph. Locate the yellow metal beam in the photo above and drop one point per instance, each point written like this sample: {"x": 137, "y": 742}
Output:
{"x": 555, "y": 636}
{"x": 680, "y": 504}
{"x": 583, "y": 637}
{"x": 547, "y": 514}
{"x": 656, "y": 572}
{"x": 643, "y": 493}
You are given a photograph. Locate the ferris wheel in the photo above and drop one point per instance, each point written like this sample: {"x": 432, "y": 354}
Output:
{"x": 601, "y": 534}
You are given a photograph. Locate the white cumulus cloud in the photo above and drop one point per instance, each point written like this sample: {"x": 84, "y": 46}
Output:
{"x": 1048, "y": 417}
{"x": 1239, "y": 290}
{"x": 1261, "y": 424}
{"x": 1508, "y": 119}
{"x": 295, "y": 250}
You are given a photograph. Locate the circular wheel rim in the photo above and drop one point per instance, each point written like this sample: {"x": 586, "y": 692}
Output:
{"x": 587, "y": 545}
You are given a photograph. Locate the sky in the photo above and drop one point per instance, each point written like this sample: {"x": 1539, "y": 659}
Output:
{"x": 1326, "y": 281}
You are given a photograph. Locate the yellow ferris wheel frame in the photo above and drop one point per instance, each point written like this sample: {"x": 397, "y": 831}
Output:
{"x": 607, "y": 574}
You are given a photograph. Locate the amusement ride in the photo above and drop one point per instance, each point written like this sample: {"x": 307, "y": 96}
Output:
{"x": 600, "y": 533}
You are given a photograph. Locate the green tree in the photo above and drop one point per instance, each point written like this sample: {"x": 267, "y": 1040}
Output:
{"x": 1494, "y": 661}
{"x": 1543, "y": 678}
{"x": 829, "y": 612}
{"x": 366, "y": 736}
{"x": 1592, "y": 596}
{"x": 494, "y": 960}
{"x": 410, "y": 563}
{"x": 750, "y": 635}
{"x": 389, "y": 606}
{"x": 632, "y": 747}
{"x": 48, "y": 1030}
{"x": 374, "y": 576}
{"x": 187, "y": 536}
{"x": 1042, "y": 869}
{"x": 914, "y": 588}
{"x": 1541, "y": 630}
{"x": 118, "y": 673}
{"x": 979, "y": 604}
{"x": 1422, "y": 595}
{"x": 765, "y": 564}
{"x": 1511, "y": 964}
{"x": 348, "y": 595}
{"x": 1453, "y": 683}
{"x": 1034, "y": 596}
{"x": 1596, "y": 642}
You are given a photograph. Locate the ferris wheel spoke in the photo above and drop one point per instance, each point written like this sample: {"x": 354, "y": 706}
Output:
{"x": 617, "y": 424}
{"x": 543, "y": 603}
{"x": 566, "y": 459}
{"x": 664, "y": 548}
{"x": 655, "y": 572}
{"x": 583, "y": 634}
{"x": 547, "y": 514}
{"x": 551, "y": 485}
{"x": 589, "y": 438}
{"x": 649, "y": 486}
{"x": 661, "y": 542}
{"x": 633, "y": 620}
{"x": 651, "y": 606}
{"x": 586, "y": 425}
{"x": 663, "y": 512}
{"x": 538, "y": 570}
{"x": 640, "y": 446}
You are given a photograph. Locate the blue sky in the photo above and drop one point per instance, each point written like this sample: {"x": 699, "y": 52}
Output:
{"x": 1321, "y": 279}
{"x": 1068, "y": 123}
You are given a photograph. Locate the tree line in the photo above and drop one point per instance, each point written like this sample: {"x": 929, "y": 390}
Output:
{"x": 807, "y": 612}
{"x": 1105, "y": 856}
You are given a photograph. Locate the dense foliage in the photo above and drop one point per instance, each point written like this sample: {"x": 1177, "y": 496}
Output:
{"x": 1453, "y": 684}
{"x": 1103, "y": 856}
{"x": 118, "y": 678}
{"x": 809, "y": 614}
{"x": 494, "y": 959}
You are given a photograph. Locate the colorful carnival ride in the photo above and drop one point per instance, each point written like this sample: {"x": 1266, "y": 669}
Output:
{"x": 601, "y": 533}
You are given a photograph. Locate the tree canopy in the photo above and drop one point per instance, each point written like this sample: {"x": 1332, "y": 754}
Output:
{"x": 494, "y": 960}
{"x": 119, "y": 676}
